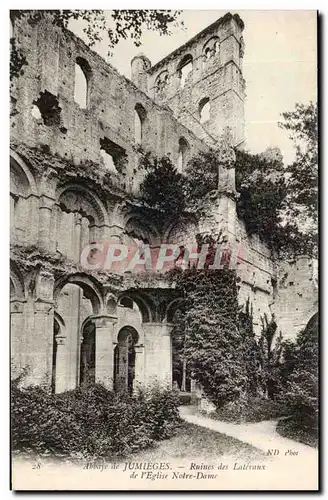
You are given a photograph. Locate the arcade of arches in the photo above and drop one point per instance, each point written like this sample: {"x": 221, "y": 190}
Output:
{"x": 69, "y": 327}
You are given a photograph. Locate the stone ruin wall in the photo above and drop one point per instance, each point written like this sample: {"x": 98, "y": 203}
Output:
{"x": 287, "y": 290}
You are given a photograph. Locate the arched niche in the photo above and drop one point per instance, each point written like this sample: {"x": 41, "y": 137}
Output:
{"x": 182, "y": 153}
{"x": 81, "y": 217}
{"x": 140, "y": 116}
{"x": 211, "y": 48}
{"x": 182, "y": 232}
{"x": 145, "y": 305}
{"x": 22, "y": 209}
{"x": 161, "y": 81}
{"x": 17, "y": 286}
{"x": 204, "y": 110}
{"x": 171, "y": 309}
{"x": 139, "y": 230}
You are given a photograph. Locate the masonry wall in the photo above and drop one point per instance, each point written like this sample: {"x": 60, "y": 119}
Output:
{"x": 51, "y": 54}
{"x": 216, "y": 74}
{"x": 296, "y": 299}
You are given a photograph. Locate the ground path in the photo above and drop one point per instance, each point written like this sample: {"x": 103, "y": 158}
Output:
{"x": 204, "y": 454}
{"x": 262, "y": 435}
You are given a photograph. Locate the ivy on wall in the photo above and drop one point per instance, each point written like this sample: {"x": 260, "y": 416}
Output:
{"x": 212, "y": 342}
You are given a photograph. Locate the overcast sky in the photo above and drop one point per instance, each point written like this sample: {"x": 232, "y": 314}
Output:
{"x": 279, "y": 65}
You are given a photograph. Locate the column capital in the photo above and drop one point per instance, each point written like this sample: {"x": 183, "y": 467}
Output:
{"x": 46, "y": 202}
{"x": 17, "y": 305}
{"x": 60, "y": 340}
{"x": 103, "y": 321}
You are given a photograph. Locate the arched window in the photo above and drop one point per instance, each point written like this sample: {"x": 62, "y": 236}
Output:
{"x": 183, "y": 150}
{"x": 81, "y": 82}
{"x": 139, "y": 119}
{"x": 161, "y": 80}
{"x": 184, "y": 68}
{"x": 204, "y": 110}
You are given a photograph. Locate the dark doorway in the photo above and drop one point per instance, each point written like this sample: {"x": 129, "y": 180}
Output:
{"x": 88, "y": 355}
{"x": 124, "y": 359}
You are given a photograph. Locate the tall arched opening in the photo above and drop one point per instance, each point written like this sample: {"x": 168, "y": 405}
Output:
{"x": 124, "y": 359}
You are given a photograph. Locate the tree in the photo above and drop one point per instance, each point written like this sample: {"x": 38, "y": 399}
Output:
{"x": 124, "y": 24}
{"x": 300, "y": 393}
{"x": 251, "y": 350}
{"x": 302, "y": 174}
{"x": 270, "y": 345}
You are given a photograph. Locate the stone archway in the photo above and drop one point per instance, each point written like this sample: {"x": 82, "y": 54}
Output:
{"x": 78, "y": 299}
{"x": 125, "y": 359}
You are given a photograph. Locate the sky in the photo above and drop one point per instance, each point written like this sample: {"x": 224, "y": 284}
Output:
{"x": 279, "y": 65}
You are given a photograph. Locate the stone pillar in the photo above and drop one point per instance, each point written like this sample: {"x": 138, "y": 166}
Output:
{"x": 105, "y": 350}
{"x": 40, "y": 341}
{"x": 45, "y": 215}
{"x": 139, "y": 369}
{"x": 62, "y": 360}
{"x": 41, "y": 345}
{"x": 158, "y": 353}
{"x": 77, "y": 236}
{"x": 17, "y": 335}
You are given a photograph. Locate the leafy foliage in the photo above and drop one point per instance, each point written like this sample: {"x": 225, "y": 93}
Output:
{"x": 300, "y": 393}
{"x": 270, "y": 344}
{"x": 213, "y": 345}
{"x": 302, "y": 123}
{"x": 251, "y": 351}
{"x": 163, "y": 186}
{"x": 90, "y": 421}
{"x": 252, "y": 409}
{"x": 201, "y": 177}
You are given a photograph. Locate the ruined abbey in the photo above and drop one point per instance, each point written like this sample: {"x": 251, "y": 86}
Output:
{"x": 77, "y": 126}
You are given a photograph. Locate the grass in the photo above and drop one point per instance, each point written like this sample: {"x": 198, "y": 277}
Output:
{"x": 192, "y": 441}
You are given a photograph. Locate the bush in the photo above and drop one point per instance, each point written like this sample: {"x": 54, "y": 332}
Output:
{"x": 91, "y": 421}
{"x": 300, "y": 389}
{"x": 290, "y": 429}
{"x": 251, "y": 410}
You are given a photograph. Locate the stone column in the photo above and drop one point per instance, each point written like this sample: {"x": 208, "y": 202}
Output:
{"x": 45, "y": 215}
{"x": 105, "y": 350}
{"x": 17, "y": 335}
{"x": 62, "y": 360}
{"x": 139, "y": 368}
{"x": 158, "y": 353}
{"x": 40, "y": 342}
{"x": 41, "y": 345}
{"x": 77, "y": 236}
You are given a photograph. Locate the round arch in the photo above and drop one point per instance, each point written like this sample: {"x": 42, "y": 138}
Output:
{"x": 184, "y": 226}
{"x": 135, "y": 224}
{"x": 70, "y": 197}
{"x": 145, "y": 304}
{"x": 187, "y": 59}
{"x": 171, "y": 309}
{"x": 89, "y": 285}
{"x": 23, "y": 171}
{"x": 17, "y": 286}
{"x": 125, "y": 331}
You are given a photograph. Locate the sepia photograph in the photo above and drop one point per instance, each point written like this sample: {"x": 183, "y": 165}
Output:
{"x": 164, "y": 290}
